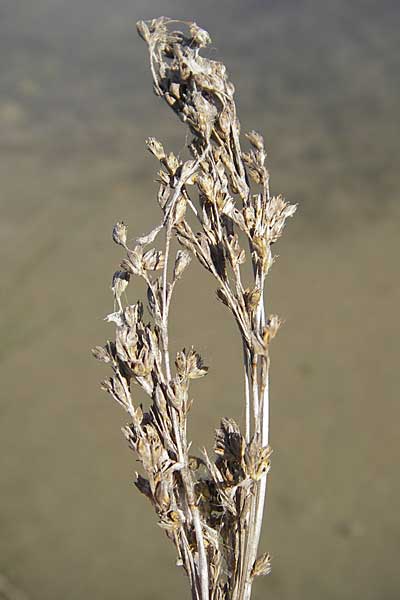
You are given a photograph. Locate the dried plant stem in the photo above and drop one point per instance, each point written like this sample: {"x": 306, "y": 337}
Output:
{"x": 212, "y": 510}
{"x": 246, "y": 393}
{"x": 182, "y": 455}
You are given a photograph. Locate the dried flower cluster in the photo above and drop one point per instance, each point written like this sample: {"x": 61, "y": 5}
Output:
{"x": 211, "y": 509}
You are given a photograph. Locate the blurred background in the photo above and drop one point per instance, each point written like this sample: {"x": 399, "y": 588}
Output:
{"x": 320, "y": 80}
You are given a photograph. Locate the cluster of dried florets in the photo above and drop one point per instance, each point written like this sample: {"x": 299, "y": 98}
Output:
{"x": 212, "y": 510}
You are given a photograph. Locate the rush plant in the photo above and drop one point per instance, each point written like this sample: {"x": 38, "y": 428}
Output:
{"x": 217, "y": 206}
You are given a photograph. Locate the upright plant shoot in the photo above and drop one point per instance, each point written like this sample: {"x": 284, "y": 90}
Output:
{"x": 210, "y": 507}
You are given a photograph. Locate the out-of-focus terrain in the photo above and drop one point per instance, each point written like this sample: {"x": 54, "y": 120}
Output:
{"x": 321, "y": 81}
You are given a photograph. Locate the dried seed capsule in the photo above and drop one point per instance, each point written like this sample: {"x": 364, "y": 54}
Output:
{"x": 182, "y": 260}
{"x": 206, "y": 185}
{"x": 101, "y": 354}
{"x": 225, "y": 119}
{"x": 187, "y": 169}
{"x": 143, "y": 30}
{"x": 175, "y": 90}
{"x": 131, "y": 315}
{"x": 260, "y": 246}
{"x": 106, "y": 385}
{"x": 155, "y": 147}
{"x": 255, "y": 175}
{"x": 264, "y": 462}
{"x": 162, "y": 495}
{"x": 255, "y": 139}
{"x": 179, "y": 210}
{"x": 195, "y": 366}
{"x": 172, "y": 163}
{"x": 180, "y": 363}
{"x": 119, "y": 233}
{"x": 134, "y": 262}
{"x": 252, "y": 298}
{"x": 195, "y": 463}
{"x": 200, "y": 37}
{"x": 262, "y": 566}
{"x": 271, "y": 329}
{"x": 119, "y": 284}
{"x": 153, "y": 260}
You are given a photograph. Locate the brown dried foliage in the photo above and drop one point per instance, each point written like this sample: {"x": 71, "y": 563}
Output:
{"x": 211, "y": 509}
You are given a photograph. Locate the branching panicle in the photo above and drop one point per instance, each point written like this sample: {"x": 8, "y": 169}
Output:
{"x": 211, "y": 509}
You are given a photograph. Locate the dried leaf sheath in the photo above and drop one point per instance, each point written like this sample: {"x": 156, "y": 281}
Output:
{"x": 211, "y": 508}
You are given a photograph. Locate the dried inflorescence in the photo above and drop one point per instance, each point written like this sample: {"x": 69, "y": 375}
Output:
{"x": 210, "y": 508}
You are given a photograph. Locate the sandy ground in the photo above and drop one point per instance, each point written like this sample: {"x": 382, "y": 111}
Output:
{"x": 321, "y": 81}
